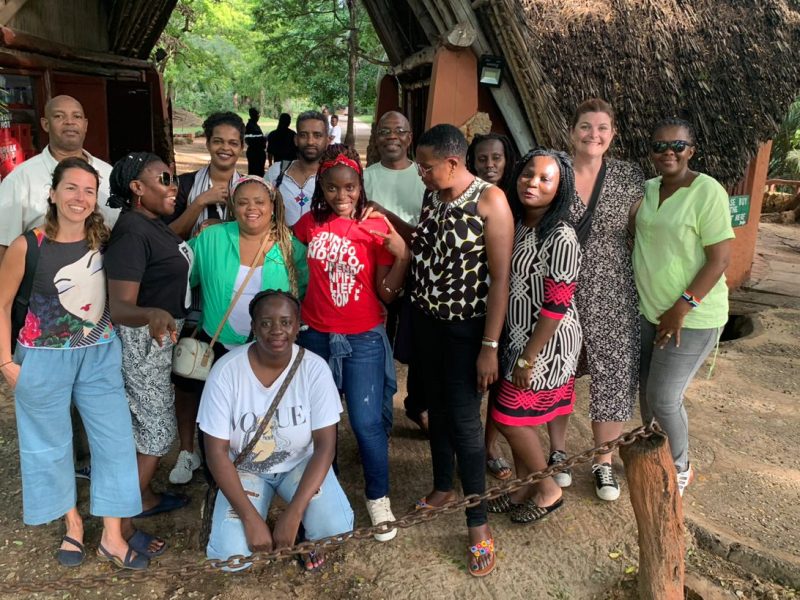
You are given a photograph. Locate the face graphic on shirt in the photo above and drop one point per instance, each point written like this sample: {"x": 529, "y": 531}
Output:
{"x": 78, "y": 292}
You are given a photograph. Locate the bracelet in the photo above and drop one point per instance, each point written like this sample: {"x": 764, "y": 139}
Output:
{"x": 489, "y": 343}
{"x": 388, "y": 289}
{"x": 6, "y": 363}
{"x": 693, "y": 300}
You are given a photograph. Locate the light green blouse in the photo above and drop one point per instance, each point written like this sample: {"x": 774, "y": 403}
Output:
{"x": 216, "y": 264}
{"x": 668, "y": 252}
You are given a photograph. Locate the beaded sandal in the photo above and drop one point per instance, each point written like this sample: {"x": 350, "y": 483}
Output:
{"x": 501, "y": 504}
{"x": 480, "y": 549}
{"x": 531, "y": 512}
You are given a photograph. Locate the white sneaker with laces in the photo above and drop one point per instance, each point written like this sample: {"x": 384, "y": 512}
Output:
{"x": 184, "y": 467}
{"x": 606, "y": 485}
{"x": 564, "y": 478}
{"x": 684, "y": 479}
{"x": 380, "y": 510}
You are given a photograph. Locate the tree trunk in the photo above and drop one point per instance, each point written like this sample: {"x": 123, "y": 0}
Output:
{"x": 350, "y": 137}
{"x": 659, "y": 517}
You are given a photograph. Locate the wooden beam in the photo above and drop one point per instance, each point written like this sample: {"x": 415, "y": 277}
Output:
{"x": 423, "y": 57}
{"x": 16, "y": 40}
{"x": 461, "y": 35}
{"x": 424, "y": 19}
{"x": 10, "y": 10}
{"x": 17, "y": 59}
{"x": 503, "y": 95}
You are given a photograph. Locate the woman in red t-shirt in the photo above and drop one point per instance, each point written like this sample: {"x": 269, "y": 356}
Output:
{"x": 353, "y": 266}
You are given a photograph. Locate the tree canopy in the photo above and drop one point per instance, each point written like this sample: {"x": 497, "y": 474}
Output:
{"x": 267, "y": 51}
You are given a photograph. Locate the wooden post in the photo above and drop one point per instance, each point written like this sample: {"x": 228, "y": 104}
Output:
{"x": 659, "y": 517}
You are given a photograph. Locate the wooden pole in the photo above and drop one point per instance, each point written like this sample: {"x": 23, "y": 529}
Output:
{"x": 659, "y": 517}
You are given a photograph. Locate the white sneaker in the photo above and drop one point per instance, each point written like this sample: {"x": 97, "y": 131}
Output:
{"x": 186, "y": 464}
{"x": 380, "y": 510}
{"x": 606, "y": 485}
{"x": 564, "y": 478}
{"x": 684, "y": 479}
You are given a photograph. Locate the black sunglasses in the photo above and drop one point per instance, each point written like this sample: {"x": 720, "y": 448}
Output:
{"x": 166, "y": 178}
{"x": 677, "y": 146}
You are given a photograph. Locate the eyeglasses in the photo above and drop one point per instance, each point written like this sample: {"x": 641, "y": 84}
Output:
{"x": 398, "y": 131}
{"x": 166, "y": 178}
{"x": 424, "y": 170}
{"x": 677, "y": 146}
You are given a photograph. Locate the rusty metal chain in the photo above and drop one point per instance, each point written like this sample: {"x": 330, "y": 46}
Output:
{"x": 168, "y": 572}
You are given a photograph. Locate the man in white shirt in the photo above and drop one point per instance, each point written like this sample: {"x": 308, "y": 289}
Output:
{"x": 296, "y": 181}
{"x": 396, "y": 188}
{"x": 335, "y": 131}
{"x": 24, "y": 193}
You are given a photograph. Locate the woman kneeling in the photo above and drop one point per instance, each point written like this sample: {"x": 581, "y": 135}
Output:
{"x": 294, "y": 448}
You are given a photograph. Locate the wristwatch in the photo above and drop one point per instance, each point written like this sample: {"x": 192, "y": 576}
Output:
{"x": 524, "y": 364}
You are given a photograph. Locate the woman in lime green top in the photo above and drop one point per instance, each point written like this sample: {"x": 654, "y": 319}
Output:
{"x": 683, "y": 233}
{"x": 223, "y": 255}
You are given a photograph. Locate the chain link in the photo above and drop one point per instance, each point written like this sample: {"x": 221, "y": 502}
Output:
{"x": 169, "y": 572}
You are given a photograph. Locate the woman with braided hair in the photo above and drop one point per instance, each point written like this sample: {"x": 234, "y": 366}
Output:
{"x": 148, "y": 268}
{"x": 223, "y": 255}
{"x": 543, "y": 335}
{"x": 353, "y": 267}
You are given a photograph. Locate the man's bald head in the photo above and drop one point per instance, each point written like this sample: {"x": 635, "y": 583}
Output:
{"x": 393, "y": 140}
{"x": 66, "y": 124}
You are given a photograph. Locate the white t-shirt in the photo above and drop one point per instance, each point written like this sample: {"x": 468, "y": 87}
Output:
{"x": 296, "y": 199}
{"x": 24, "y": 194}
{"x": 240, "y": 315}
{"x": 399, "y": 191}
{"x": 335, "y": 132}
{"x": 234, "y": 401}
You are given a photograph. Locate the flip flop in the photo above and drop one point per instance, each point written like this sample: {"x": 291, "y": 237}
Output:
{"x": 167, "y": 503}
{"x": 304, "y": 559}
{"x": 497, "y": 466}
{"x": 138, "y": 563}
{"x": 71, "y": 558}
{"x": 530, "y": 512}
{"x": 141, "y": 541}
{"x": 481, "y": 549}
{"x": 422, "y": 504}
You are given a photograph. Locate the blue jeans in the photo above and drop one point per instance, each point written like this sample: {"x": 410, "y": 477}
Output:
{"x": 328, "y": 512}
{"x": 363, "y": 378}
{"x": 664, "y": 375}
{"x": 49, "y": 381}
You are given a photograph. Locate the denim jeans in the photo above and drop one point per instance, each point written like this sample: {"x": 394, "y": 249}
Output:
{"x": 91, "y": 378}
{"x": 362, "y": 382}
{"x": 664, "y": 375}
{"x": 445, "y": 363}
{"x": 328, "y": 512}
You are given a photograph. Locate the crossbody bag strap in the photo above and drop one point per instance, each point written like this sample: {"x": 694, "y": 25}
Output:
{"x": 235, "y": 299}
{"x": 271, "y": 410}
{"x": 584, "y": 225}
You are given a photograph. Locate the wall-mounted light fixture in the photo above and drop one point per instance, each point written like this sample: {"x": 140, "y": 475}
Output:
{"x": 490, "y": 70}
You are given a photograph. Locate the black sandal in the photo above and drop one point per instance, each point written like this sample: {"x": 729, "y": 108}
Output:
{"x": 501, "y": 504}
{"x": 530, "y": 512}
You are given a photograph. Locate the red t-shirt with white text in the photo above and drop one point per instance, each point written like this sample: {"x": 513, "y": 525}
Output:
{"x": 342, "y": 258}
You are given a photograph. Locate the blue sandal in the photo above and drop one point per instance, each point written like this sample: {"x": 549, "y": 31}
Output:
{"x": 167, "y": 503}
{"x": 134, "y": 563}
{"x": 141, "y": 542}
{"x": 71, "y": 558}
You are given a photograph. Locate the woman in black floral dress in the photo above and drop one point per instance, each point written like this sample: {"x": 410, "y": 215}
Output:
{"x": 607, "y": 192}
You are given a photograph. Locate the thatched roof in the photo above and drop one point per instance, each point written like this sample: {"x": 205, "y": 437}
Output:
{"x": 729, "y": 67}
{"x": 134, "y": 26}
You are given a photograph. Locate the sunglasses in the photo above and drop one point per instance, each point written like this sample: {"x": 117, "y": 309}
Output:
{"x": 677, "y": 146}
{"x": 166, "y": 178}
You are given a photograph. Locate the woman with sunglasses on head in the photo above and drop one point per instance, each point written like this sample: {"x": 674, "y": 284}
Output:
{"x": 148, "y": 267}
{"x": 682, "y": 247}
{"x": 492, "y": 157}
{"x": 353, "y": 267}
{"x": 68, "y": 353}
{"x": 461, "y": 255}
{"x": 607, "y": 191}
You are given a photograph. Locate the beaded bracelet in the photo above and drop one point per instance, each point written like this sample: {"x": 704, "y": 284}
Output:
{"x": 693, "y": 300}
{"x": 388, "y": 289}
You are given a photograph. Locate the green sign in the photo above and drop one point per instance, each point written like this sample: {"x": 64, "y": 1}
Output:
{"x": 740, "y": 210}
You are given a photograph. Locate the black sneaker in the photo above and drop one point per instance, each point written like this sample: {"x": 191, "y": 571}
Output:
{"x": 564, "y": 478}
{"x": 605, "y": 482}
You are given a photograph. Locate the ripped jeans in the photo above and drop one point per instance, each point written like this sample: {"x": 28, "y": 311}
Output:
{"x": 328, "y": 513}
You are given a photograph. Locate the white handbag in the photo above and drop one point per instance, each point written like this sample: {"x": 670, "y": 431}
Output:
{"x": 192, "y": 358}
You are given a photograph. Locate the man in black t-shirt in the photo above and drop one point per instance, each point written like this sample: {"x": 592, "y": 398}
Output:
{"x": 280, "y": 142}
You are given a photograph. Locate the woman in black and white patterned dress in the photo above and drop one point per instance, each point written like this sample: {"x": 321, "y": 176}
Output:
{"x": 606, "y": 296}
{"x": 543, "y": 335}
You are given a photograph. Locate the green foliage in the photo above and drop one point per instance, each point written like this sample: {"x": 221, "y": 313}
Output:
{"x": 276, "y": 53}
{"x": 785, "y": 160}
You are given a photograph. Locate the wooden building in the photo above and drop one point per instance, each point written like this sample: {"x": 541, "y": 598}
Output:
{"x": 730, "y": 68}
{"x": 96, "y": 51}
